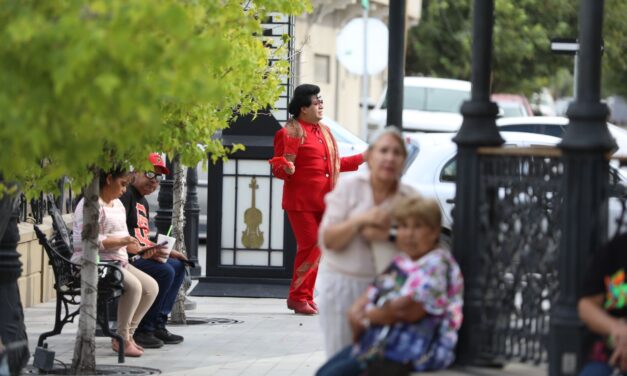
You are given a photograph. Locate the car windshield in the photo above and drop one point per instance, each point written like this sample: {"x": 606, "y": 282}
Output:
{"x": 341, "y": 134}
{"x": 432, "y": 99}
{"x": 512, "y": 110}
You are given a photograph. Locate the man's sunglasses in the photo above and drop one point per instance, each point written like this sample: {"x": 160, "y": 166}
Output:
{"x": 153, "y": 176}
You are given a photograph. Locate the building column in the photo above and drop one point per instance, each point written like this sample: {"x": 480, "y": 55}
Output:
{"x": 478, "y": 129}
{"x": 586, "y": 170}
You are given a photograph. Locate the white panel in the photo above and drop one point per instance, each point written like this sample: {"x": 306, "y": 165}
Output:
{"x": 256, "y": 258}
{"x": 229, "y": 167}
{"x": 279, "y": 17}
{"x": 276, "y": 259}
{"x": 277, "y": 214}
{"x": 253, "y": 167}
{"x": 228, "y": 211}
{"x": 244, "y": 202}
{"x": 274, "y": 41}
{"x": 226, "y": 258}
{"x": 281, "y": 103}
{"x": 280, "y": 115}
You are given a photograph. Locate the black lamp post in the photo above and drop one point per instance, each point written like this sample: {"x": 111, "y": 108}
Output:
{"x": 163, "y": 219}
{"x": 396, "y": 63}
{"x": 478, "y": 129}
{"x": 586, "y": 170}
{"x": 12, "y": 329}
{"x": 192, "y": 211}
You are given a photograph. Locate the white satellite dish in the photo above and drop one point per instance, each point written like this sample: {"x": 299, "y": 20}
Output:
{"x": 350, "y": 46}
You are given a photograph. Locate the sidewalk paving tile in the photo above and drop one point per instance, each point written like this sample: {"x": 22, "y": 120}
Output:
{"x": 269, "y": 341}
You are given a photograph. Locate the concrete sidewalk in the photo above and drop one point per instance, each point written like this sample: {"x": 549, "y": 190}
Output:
{"x": 270, "y": 340}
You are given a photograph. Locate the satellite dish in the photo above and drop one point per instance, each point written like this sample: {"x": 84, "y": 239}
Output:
{"x": 350, "y": 46}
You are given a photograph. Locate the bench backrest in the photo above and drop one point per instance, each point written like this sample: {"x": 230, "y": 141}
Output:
{"x": 61, "y": 232}
{"x": 66, "y": 273}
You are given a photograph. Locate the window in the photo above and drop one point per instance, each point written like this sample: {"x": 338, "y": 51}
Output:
{"x": 322, "y": 70}
{"x": 449, "y": 171}
{"x": 432, "y": 99}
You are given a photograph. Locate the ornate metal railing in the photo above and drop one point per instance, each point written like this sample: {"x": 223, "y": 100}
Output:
{"x": 34, "y": 210}
{"x": 520, "y": 200}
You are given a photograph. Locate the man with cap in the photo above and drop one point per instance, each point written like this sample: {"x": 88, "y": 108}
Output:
{"x": 151, "y": 332}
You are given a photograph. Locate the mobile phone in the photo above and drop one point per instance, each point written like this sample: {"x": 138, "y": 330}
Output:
{"x": 139, "y": 254}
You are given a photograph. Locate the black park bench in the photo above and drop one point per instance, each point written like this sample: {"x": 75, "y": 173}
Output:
{"x": 67, "y": 283}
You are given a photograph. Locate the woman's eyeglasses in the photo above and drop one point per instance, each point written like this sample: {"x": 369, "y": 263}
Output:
{"x": 153, "y": 176}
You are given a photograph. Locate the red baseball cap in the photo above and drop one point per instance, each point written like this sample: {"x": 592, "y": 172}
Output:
{"x": 159, "y": 163}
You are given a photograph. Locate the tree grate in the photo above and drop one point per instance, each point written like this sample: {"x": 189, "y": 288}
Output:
{"x": 208, "y": 321}
{"x": 104, "y": 369}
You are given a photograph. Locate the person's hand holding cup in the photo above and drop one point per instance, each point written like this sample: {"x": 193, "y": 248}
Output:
{"x": 163, "y": 252}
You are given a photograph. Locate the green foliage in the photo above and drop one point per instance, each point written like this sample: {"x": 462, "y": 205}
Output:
{"x": 93, "y": 83}
{"x": 614, "y": 57}
{"x": 522, "y": 60}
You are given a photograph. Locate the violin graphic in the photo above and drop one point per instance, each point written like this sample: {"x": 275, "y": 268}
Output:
{"x": 251, "y": 236}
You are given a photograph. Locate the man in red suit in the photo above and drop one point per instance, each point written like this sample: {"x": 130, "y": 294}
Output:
{"x": 306, "y": 158}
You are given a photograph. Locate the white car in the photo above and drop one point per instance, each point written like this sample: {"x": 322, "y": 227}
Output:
{"x": 556, "y": 126}
{"x": 432, "y": 169}
{"x": 429, "y": 105}
{"x": 347, "y": 143}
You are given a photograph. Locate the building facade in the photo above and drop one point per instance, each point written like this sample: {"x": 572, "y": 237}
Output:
{"x": 316, "y": 61}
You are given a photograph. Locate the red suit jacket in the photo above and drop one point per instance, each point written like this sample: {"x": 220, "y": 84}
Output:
{"x": 313, "y": 178}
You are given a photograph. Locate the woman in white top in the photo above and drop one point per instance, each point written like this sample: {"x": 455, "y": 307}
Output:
{"x": 140, "y": 289}
{"x": 357, "y": 217}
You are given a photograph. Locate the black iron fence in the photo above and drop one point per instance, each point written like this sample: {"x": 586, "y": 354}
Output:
{"x": 520, "y": 202}
{"x": 519, "y": 205}
{"x": 34, "y": 210}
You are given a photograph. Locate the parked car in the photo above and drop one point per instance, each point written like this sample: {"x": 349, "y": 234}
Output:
{"x": 432, "y": 170}
{"x": 429, "y": 105}
{"x": 512, "y": 105}
{"x": 556, "y": 126}
{"x": 347, "y": 143}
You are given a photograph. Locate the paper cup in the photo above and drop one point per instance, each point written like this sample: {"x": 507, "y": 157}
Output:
{"x": 164, "y": 253}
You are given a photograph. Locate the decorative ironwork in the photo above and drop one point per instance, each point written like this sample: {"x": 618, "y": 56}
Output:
{"x": 520, "y": 200}
{"x": 35, "y": 210}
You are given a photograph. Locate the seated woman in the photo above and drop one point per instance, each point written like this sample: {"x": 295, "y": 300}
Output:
{"x": 408, "y": 318}
{"x": 140, "y": 290}
{"x": 603, "y": 308}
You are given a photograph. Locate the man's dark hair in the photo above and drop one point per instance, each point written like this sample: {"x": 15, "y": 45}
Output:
{"x": 302, "y": 98}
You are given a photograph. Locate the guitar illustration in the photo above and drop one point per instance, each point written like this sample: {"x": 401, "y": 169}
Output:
{"x": 251, "y": 236}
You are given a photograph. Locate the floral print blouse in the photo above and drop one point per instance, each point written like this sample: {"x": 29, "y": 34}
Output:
{"x": 435, "y": 281}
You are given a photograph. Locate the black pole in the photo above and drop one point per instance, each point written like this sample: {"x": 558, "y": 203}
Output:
{"x": 192, "y": 212}
{"x": 396, "y": 63}
{"x": 478, "y": 129}
{"x": 163, "y": 219}
{"x": 12, "y": 329}
{"x": 585, "y": 188}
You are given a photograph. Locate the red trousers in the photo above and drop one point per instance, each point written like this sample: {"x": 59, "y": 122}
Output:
{"x": 305, "y": 227}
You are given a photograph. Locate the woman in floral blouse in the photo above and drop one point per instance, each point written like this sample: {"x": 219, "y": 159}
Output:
{"x": 408, "y": 318}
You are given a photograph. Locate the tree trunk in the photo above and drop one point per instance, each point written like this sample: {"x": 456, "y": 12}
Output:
{"x": 84, "y": 360}
{"x": 178, "y": 224}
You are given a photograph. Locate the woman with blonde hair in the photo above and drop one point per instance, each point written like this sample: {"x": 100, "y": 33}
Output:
{"x": 407, "y": 320}
{"x": 357, "y": 218}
